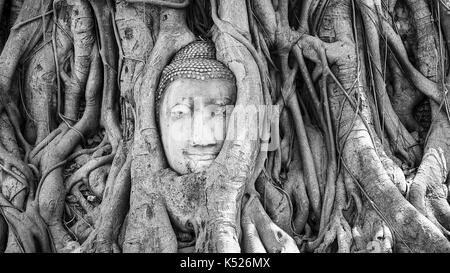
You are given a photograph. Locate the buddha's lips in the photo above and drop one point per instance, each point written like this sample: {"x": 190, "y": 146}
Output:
{"x": 201, "y": 156}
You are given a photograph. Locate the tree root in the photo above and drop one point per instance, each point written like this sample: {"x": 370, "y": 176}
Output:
{"x": 371, "y": 234}
{"x": 29, "y": 230}
{"x": 103, "y": 10}
{"x": 405, "y": 97}
{"x": 84, "y": 172}
{"x": 428, "y": 192}
{"x": 276, "y": 202}
{"x": 51, "y": 190}
{"x": 401, "y": 141}
{"x": 97, "y": 180}
{"x": 146, "y": 206}
{"x": 338, "y": 227}
{"x": 320, "y": 156}
{"x": 296, "y": 189}
{"x": 10, "y": 161}
{"x": 113, "y": 208}
{"x": 39, "y": 86}
{"x": 260, "y": 234}
{"x": 41, "y": 145}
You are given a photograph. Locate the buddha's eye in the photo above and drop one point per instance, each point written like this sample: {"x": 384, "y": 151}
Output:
{"x": 179, "y": 111}
{"x": 218, "y": 111}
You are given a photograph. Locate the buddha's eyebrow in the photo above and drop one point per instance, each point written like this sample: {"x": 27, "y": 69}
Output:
{"x": 186, "y": 101}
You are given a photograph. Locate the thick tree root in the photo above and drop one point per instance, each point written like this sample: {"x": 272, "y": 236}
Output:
{"x": 372, "y": 235}
{"x": 30, "y": 233}
{"x": 146, "y": 206}
{"x": 260, "y": 234}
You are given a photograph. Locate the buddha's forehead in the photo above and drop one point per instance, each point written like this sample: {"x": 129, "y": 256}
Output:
{"x": 191, "y": 89}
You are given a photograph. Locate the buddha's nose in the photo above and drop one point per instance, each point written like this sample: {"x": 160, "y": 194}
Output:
{"x": 202, "y": 130}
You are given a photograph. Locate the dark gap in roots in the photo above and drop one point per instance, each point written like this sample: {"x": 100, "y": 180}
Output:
{"x": 404, "y": 22}
{"x": 422, "y": 113}
{"x": 334, "y": 247}
{"x": 304, "y": 97}
{"x": 198, "y": 19}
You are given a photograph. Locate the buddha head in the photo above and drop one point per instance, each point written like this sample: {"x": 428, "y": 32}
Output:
{"x": 192, "y": 97}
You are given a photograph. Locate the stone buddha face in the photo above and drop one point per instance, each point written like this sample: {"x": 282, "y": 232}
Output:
{"x": 192, "y": 111}
{"x": 193, "y": 123}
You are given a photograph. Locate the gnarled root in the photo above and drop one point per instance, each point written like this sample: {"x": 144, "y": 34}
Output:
{"x": 97, "y": 180}
{"x": 338, "y": 227}
{"x": 114, "y": 206}
{"x": 260, "y": 234}
{"x": 275, "y": 201}
{"x": 371, "y": 234}
{"x": 14, "y": 188}
{"x": 103, "y": 10}
{"x": 30, "y": 234}
{"x": 52, "y": 191}
{"x": 153, "y": 232}
{"x": 428, "y": 192}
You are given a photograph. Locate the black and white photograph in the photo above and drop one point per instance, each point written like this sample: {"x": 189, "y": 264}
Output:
{"x": 250, "y": 129}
